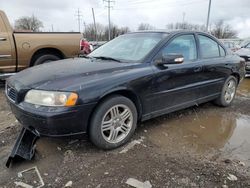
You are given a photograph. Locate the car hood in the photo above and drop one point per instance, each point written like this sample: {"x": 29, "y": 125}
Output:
{"x": 59, "y": 75}
{"x": 243, "y": 52}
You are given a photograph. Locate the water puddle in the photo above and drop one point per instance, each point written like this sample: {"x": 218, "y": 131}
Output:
{"x": 244, "y": 88}
{"x": 203, "y": 132}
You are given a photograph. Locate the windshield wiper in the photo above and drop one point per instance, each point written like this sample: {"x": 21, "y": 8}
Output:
{"x": 106, "y": 58}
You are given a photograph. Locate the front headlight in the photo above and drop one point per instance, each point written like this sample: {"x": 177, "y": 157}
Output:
{"x": 51, "y": 98}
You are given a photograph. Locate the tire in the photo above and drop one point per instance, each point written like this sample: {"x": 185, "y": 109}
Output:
{"x": 46, "y": 58}
{"x": 102, "y": 123}
{"x": 224, "y": 100}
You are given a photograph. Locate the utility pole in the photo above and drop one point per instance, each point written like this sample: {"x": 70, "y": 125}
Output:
{"x": 108, "y": 6}
{"x": 94, "y": 24}
{"x": 183, "y": 20}
{"x": 79, "y": 15}
{"x": 85, "y": 26}
{"x": 183, "y": 17}
{"x": 208, "y": 14}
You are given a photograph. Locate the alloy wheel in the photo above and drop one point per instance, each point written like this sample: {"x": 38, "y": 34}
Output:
{"x": 117, "y": 123}
{"x": 230, "y": 91}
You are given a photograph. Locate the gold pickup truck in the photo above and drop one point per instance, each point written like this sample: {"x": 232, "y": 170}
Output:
{"x": 19, "y": 50}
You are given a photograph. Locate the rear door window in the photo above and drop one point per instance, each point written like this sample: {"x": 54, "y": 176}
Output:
{"x": 208, "y": 47}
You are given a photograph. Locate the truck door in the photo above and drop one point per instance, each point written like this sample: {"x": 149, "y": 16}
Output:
{"x": 7, "y": 50}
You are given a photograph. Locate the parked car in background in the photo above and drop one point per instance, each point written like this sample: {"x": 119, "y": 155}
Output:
{"x": 231, "y": 45}
{"x": 20, "y": 50}
{"x": 97, "y": 44}
{"x": 244, "y": 52}
{"x": 134, "y": 77}
{"x": 244, "y": 43}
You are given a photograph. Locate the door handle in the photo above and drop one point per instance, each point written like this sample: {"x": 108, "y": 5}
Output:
{"x": 3, "y": 39}
{"x": 197, "y": 69}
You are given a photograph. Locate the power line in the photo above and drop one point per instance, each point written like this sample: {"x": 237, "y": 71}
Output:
{"x": 172, "y": 4}
{"x": 159, "y": 2}
{"x": 109, "y": 6}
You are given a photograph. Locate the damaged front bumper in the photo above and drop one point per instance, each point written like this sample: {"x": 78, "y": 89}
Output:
{"x": 52, "y": 121}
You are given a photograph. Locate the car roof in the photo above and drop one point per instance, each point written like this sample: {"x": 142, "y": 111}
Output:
{"x": 169, "y": 31}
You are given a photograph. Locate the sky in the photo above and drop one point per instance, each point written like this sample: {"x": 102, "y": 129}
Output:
{"x": 158, "y": 13}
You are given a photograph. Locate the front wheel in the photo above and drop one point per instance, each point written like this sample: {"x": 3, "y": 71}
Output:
{"x": 228, "y": 92}
{"x": 113, "y": 122}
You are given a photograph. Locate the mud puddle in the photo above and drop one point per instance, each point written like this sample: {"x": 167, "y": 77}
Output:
{"x": 204, "y": 132}
{"x": 244, "y": 88}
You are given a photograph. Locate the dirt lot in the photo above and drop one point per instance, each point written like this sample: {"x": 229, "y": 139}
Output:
{"x": 205, "y": 146}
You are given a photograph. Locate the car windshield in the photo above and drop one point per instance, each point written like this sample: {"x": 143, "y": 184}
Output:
{"x": 129, "y": 47}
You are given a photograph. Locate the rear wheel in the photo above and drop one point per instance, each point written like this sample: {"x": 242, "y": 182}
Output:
{"x": 113, "y": 122}
{"x": 228, "y": 92}
{"x": 46, "y": 58}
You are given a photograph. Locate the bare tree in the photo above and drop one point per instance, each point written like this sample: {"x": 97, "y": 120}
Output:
{"x": 145, "y": 26}
{"x": 28, "y": 23}
{"x": 102, "y": 32}
{"x": 89, "y": 31}
{"x": 222, "y": 30}
{"x": 186, "y": 26}
{"x": 116, "y": 31}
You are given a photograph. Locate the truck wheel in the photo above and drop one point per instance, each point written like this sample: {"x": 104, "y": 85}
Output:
{"x": 46, "y": 58}
{"x": 228, "y": 92}
{"x": 113, "y": 122}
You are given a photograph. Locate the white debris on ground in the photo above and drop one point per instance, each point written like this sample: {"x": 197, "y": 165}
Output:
{"x": 242, "y": 163}
{"x": 21, "y": 184}
{"x": 232, "y": 177}
{"x": 69, "y": 184}
{"x": 24, "y": 185}
{"x": 138, "y": 184}
{"x": 58, "y": 148}
{"x": 131, "y": 145}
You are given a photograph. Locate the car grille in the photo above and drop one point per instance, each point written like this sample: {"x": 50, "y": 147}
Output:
{"x": 11, "y": 93}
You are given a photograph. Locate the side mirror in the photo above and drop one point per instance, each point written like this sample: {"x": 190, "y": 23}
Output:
{"x": 170, "y": 59}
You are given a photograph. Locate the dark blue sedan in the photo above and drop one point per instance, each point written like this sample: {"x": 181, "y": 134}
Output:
{"x": 135, "y": 77}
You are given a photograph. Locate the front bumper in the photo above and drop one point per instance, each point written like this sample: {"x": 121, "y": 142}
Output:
{"x": 51, "y": 121}
{"x": 248, "y": 67}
